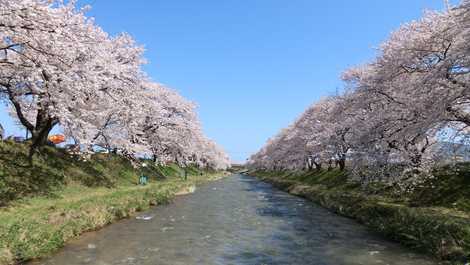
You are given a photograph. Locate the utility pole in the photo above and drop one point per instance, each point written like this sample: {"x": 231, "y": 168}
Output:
{"x": 2, "y": 132}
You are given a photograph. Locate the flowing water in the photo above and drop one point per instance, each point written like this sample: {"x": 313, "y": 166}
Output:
{"x": 236, "y": 220}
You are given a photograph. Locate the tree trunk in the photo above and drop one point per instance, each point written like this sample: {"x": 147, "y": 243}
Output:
{"x": 342, "y": 164}
{"x": 39, "y": 135}
{"x": 317, "y": 166}
{"x": 308, "y": 164}
{"x": 330, "y": 167}
{"x": 416, "y": 163}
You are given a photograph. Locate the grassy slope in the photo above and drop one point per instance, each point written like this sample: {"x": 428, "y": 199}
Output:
{"x": 434, "y": 219}
{"x": 62, "y": 197}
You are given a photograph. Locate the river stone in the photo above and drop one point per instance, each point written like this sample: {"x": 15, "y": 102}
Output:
{"x": 91, "y": 246}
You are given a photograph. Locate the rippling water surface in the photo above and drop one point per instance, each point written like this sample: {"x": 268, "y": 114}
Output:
{"x": 237, "y": 220}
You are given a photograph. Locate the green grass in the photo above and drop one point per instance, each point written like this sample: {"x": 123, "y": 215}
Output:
{"x": 450, "y": 189}
{"x": 435, "y": 218}
{"x": 61, "y": 197}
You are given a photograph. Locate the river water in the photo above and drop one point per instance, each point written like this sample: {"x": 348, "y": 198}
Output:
{"x": 236, "y": 220}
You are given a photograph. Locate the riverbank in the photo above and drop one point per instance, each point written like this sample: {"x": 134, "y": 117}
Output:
{"x": 434, "y": 219}
{"x": 37, "y": 227}
{"x": 66, "y": 196}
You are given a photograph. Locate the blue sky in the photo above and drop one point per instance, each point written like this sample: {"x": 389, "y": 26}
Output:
{"x": 252, "y": 65}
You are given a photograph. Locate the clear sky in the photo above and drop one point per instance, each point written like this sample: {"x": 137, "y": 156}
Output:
{"x": 253, "y": 65}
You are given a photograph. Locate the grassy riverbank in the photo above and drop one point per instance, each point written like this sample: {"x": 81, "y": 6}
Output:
{"x": 434, "y": 218}
{"x": 61, "y": 197}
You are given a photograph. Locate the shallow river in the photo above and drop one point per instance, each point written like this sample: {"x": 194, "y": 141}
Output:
{"x": 237, "y": 220}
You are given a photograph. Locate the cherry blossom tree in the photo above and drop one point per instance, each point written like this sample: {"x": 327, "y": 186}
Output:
{"x": 57, "y": 64}
{"x": 394, "y": 108}
{"x": 59, "y": 68}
